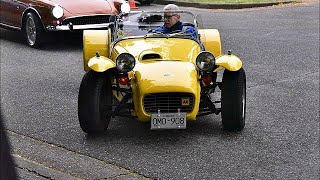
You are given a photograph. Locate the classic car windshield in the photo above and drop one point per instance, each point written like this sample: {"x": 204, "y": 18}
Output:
{"x": 145, "y": 23}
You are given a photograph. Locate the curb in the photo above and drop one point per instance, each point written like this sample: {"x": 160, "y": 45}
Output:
{"x": 220, "y": 6}
{"x": 37, "y": 158}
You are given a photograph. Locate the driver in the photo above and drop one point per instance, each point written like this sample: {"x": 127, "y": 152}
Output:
{"x": 172, "y": 22}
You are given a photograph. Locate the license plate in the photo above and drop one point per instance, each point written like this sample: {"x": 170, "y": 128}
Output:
{"x": 168, "y": 121}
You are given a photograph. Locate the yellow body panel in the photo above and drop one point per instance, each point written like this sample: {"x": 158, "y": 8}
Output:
{"x": 95, "y": 41}
{"x": 210, "y": 38}
{"x": 167, "y": 48}
{"x": 229, "y": 62}
{"x": 162, "y": 64}
{"x": 173, "y": 70}
{"x": 100, "y": 64}
{"x": 161, "y": 77}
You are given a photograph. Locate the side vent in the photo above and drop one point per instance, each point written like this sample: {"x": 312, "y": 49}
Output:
{"x": 151, "y": 56}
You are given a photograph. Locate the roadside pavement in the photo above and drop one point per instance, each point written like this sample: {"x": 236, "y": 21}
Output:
{"x": 39, "y": 160}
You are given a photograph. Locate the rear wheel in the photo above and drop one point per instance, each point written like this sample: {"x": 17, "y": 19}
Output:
{"x": 233, "y": 100}
{"x": 95, "y": 102}
{"x": 33, "y": 30}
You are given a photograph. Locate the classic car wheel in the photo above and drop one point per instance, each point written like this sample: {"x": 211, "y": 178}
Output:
{"x": 94, "y": 102}
{"x": 33, "y": 30}
{"x": 233, "y": 100}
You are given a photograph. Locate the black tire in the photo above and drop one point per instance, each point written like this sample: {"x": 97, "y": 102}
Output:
{"x": 33, "y": 30}
{"x": 233, "y": 100}
{"x": 94, "y": 102}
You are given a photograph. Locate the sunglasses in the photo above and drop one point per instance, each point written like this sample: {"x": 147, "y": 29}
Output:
{"x": 168, "y": 16}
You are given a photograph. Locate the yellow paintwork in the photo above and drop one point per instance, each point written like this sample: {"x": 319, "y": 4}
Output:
{"x": 100, "y": 64}
{"x": 218, "y": 69}
{"x": 229, "y": 62}
{"x": 174, "y": 71}
{"x": 210, "y": 38}
{"x": 95, "y": 41}
{"x": 143, "y": 53}
{"x": 170, "y": 68}
{"x": 167, "y": 48}
{"x": 164, "y": 76}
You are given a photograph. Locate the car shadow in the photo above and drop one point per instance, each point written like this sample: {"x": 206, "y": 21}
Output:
{"x": 130, "y": 130}
{"x": 13, "y": 36}
{"x": 54, "y": 41}
{"x": 63, "y": 41}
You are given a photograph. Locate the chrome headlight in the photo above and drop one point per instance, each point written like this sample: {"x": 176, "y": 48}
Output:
{"x": 205, "y": 61}
{"x": 125, "y": 8}
{"x": 57, "y": 12}
{"x": 125, "y": 62}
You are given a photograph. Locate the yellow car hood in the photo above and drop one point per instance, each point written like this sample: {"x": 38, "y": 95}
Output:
{"x": 164, "y": 48}
{"x": 165, "y": 76}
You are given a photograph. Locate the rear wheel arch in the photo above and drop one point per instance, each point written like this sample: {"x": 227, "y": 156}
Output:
{"x": 95, "y": 41}
{"x": 211, "y": 40}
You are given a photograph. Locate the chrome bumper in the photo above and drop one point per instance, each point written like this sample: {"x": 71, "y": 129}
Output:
{"x": 71, "y": 27}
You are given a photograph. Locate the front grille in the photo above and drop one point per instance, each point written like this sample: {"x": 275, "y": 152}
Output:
{"x": 83, "y": 20}
{"x": 168, "y": 102}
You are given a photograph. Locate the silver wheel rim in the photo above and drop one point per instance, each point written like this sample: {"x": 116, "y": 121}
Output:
{"x": 31, "y": 31}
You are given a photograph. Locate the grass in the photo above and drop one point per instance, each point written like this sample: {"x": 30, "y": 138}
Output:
{"x": 232, "y": 1}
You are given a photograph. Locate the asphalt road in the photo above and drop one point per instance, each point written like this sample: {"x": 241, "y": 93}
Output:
{"x": 280, "y": 49}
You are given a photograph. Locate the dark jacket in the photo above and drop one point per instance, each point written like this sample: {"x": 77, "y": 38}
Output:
{"x": 179, "y": 27}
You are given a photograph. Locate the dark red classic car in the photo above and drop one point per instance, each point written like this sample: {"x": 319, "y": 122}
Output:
{"x": 37, "y": 17}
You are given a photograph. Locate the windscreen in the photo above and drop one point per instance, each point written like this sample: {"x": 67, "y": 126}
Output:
{"x": 149, "y": 24}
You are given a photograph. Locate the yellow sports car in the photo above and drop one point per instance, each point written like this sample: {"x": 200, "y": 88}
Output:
{"x": 166, "y": 80}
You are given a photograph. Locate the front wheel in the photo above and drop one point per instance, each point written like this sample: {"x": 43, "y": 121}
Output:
{"x": 95, "y": 102}
{"x": 233, "y": 100}
{"x": 33, "y": 30}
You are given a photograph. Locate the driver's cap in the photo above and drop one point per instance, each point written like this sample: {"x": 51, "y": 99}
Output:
{"x": 171, "y": 7}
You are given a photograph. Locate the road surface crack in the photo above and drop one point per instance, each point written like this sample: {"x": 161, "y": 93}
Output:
{"x": 34, "y": 172}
